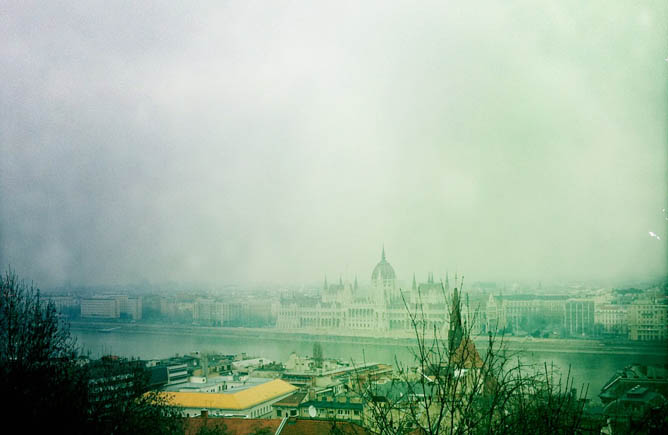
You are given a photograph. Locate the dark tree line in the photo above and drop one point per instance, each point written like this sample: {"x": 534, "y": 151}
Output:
{"x": 49, "y": 387}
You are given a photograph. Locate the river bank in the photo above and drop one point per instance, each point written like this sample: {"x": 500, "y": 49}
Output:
{"x": 526, "y": 344}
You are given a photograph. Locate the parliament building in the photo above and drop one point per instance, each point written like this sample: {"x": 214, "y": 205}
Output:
{"x": 379, "y": 309}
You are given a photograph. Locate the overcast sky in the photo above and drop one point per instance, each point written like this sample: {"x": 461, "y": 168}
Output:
{"x": 280, "y": 141}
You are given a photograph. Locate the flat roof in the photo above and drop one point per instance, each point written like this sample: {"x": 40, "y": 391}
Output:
{"x": 238, "y": 400}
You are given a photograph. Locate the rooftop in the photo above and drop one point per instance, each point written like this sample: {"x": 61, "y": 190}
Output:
{"x": 331, "y": 404}
{"x": 293, "y": 400}
{"x": 238, "y": 400}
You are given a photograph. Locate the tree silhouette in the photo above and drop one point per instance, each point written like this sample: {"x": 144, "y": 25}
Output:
{"x": 455, "y": 389}
{"x": 49, "y": 387}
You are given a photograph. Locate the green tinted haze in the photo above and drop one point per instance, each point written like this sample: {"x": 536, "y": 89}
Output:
{"x": 279, "y": 141}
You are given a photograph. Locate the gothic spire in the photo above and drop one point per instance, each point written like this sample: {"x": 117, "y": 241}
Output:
{"x": 414, "y": 283}
{"x": 382, "y": 256}
{"x": 325, "y": 286}
{"x": 456, "y": 333}
{"x": 355, "y": 287}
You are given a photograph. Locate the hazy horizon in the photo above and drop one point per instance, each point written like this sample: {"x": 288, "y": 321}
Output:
{"x": 271, "y": 142}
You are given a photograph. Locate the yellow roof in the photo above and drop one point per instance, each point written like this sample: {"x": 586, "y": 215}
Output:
{"x": 236, "y": 401}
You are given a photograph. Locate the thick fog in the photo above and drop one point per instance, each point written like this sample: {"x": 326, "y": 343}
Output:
{"x": 239, "y": 142}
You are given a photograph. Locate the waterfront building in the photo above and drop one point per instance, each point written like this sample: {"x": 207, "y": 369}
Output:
{"x": 207, "y": 311}
{"x": 381, "y": 309}
{"x": 62, "y": 303}
{"x": 579, "y": 317}
{"x": 524, "y": 311}
{"x": 648, "y": 320}
{"x": 112, "y": 307}
{"x": 100, "y": 307}
{"x": 611, "y": 318}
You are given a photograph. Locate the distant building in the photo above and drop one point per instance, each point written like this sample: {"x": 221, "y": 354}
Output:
{"x": 112, "y": 307}
{"x": 579, "y": 317}
{"x": 379, "y": 309}
{"x": 62, "y": 303}
{"x": 132, "y": 307}
{"x": 207, "y": 311}
{"x": 648, "y": 321}
{"x": 100, "y": 307}
{"x": 521, "y": 312}
{"x": 612, "y": 319}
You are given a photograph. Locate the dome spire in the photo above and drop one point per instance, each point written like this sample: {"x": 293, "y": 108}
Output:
{"x": 382, "y": 256}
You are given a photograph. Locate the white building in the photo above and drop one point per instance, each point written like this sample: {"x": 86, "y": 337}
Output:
{"x": 648, "y": 321}
{"x": 100, "y": 307}
{"x": 612, "y": 318}
{"x": 383, "y": 309}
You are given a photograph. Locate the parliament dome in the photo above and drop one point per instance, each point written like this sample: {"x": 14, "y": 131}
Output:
{"x": 383, "y": 269}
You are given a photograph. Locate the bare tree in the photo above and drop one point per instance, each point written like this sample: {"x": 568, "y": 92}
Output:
{"x": 50, "y": 388}
{"x": 37, "y": 359}
{"x": 455, "y": 389}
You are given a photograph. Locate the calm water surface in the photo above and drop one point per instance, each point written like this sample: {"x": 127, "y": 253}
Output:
{"x": 591, "y": 369}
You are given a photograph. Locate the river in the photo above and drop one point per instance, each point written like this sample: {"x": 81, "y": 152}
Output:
{"x": 587, "y": 368}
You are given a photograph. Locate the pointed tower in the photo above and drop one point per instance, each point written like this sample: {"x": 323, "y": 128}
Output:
{"x": 325, "y": 286}
{"x": 383, "y": 281}
{"x": 447, "y": 282}
{"x": 414, "y": 287}
{"x": 456, "y": 333}
{"x": 355, "y": 285}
